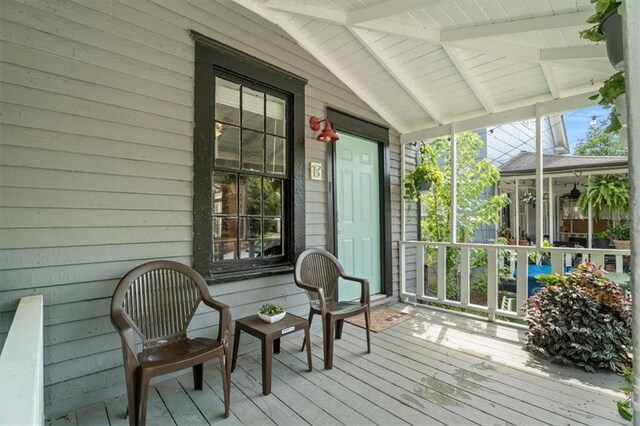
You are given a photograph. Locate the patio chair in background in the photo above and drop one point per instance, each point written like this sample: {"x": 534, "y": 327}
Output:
{"x": 157, "y": 301}
{"x": 317, "y": 271}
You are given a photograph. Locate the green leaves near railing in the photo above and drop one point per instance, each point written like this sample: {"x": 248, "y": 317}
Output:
{"x": 624, "y": 407}
{"x": 581, "y": 319}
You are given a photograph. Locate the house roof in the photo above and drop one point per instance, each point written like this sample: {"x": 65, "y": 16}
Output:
{"x": 525, "y": 163}
{"x": 421, "y": 64}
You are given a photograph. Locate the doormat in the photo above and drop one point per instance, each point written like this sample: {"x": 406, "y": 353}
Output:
{"x": 381, "y": 319}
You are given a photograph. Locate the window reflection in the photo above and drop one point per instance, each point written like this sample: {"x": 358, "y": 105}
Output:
{"x": 227, "y": 146}
{"x": 225, "y": 194}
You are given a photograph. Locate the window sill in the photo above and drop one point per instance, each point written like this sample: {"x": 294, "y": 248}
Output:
{"x": 231, "y": 276}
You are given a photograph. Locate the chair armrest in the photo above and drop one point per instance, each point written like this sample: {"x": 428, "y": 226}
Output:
{"x": 364, "y": 287}
{"x": 225, "y": 318}
{"x": 314, "y": 289}
{"x": 126, "y": 335}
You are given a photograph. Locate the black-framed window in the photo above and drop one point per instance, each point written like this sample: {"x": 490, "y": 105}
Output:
{"x": 248, "y": 203}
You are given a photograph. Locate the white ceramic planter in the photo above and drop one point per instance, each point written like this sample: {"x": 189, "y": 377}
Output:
{"x": 273, "y": 318}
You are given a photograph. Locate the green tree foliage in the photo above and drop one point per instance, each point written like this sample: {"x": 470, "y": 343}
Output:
{"x": 474, "y": 207}
{"x": 598, "y": 141}
{"x": 474, "y": 177}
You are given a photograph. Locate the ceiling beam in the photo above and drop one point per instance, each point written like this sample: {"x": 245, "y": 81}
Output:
{"x": 280, "y": 20}
{"x": 551, "y": 80}
{"x": 596, "y": 51}
{"x": 564, "y": 20}
{"x": 316, "y": 12}
{"x": 383, "y": 59}
{"x": 472, "y": 82}
{"x": 383, "y": 10}
{"x": 555, "y": 106}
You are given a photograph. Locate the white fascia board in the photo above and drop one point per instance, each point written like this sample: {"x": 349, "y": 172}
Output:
{"x": 555, "y": 106}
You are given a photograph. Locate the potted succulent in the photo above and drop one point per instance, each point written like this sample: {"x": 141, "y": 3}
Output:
{"x": 620, "y": 234}
{"x": 271, "y": 313}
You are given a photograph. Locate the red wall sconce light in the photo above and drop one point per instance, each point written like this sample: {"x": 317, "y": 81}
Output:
{"x": 327, "y": 134}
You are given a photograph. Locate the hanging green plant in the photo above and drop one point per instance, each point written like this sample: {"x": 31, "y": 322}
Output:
{"x": 605, "y": 192}
{"x": 603, "y": 9}
{"x": 613, "y": 87}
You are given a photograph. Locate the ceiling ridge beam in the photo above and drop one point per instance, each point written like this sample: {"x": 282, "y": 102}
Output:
{"x": 470, "y": 79}
{"x": 383, "y": 59}
{"x": 278, "y": 18}
{"x": 315, "y": 12}
{"x": 574, "y": 19}
{"x": 383, "y": 10}
{"x": 555, "y": 106}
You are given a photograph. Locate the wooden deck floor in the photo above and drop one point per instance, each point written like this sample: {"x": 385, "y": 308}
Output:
{"x": 437, "y": 368}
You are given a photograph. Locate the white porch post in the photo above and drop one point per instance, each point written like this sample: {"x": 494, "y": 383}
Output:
{"x": 517, "y": 221}
{"x": 551, "y": 212}
{"x": 539, "y": 182}
{"x": 403, "y": 219}
{"x": 454, "y": 184}
{"x": 590, "y": 227}
{"x": 631, "y": 20}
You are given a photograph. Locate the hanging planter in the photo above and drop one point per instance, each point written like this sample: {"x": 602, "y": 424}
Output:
{"x": 611, "y": 28}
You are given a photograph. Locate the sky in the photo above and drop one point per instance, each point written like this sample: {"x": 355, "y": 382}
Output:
{"x": 577, "y": 122}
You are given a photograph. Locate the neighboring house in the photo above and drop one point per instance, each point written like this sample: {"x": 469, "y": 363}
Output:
{"x": 568, "y": 174}
{"x": 102, "y": 169}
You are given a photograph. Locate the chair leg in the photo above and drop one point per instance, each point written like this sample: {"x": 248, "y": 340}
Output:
{"x": 339, "y": 325}
{"x": 225, "y": 368}
{"x": 310, "y": 319}
{"x": 197, "y": 377}
{"x": 143, "y": 389}
{"x": 366, "y": 321}
{"x": 328, "y": 343}
{"x": 132, "y": 395}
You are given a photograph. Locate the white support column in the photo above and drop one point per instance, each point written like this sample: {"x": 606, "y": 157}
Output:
{"x": 552, "y": 213}
{"x": 539, "y": 177}
{"x": 517, "y": 221}
{"x": 590, "y": 227}
{"x": 630, "y": 25}
{"x": 454, "y": 184}
{"x": 403, "y": 219}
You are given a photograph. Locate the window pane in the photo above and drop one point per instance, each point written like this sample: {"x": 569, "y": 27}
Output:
{"x": 250, "y": 237}
{"x": 252, "y": 109}
{"x": 225, "y": 235}
{"x": 227, "y": 102}
{"x": 252, "y": 151}
{"x": 272, "y": 197}
{"x": 272, "y": 237}
{"x": 225, "y": 194}
{"x": 276, "y": 155}
{"x": 276, "y": 118}
{"x": 250, "y": 195}
{"x": 227, "y": 148}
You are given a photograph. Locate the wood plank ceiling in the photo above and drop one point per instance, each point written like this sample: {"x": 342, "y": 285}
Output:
{"x": 424, "y": 63}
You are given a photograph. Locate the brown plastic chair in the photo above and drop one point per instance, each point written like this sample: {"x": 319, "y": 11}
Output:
{"x": 157, "y": 300}
{"x": 317, "y": 271}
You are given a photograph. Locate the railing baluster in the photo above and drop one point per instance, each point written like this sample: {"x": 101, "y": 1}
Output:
{"x": 619, "y": 263}
{"x": 597, "y": 258}
{"x": 442, "y": 273}
{"x": 522, "y": 292}
{"x": 403, "y": 278}
{"x": 420, "y": 282}
{"x": 465, "y": 273}
{"x": 492, "y": 282}
{"x": 557, "y": 262}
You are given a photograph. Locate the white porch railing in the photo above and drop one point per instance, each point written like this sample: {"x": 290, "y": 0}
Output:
{"x": 559, "y": 256}
{"x": 21, "y": 366}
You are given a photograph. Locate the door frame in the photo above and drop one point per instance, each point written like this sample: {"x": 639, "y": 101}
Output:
{"x": 356, "y": 126}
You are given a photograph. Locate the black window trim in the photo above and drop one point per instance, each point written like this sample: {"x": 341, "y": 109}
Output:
{"x": 211, "y": 58}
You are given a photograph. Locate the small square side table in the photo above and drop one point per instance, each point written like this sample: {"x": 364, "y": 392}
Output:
{"x": 269, "y": 335}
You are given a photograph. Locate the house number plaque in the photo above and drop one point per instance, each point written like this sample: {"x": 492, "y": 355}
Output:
{"x": 315, "y": 170}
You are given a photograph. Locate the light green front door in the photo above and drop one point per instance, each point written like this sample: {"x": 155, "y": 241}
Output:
{"x": 358, "y": 209}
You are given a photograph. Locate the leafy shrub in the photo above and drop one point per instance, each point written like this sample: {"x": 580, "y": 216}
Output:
{"x": 581, "y": 319}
